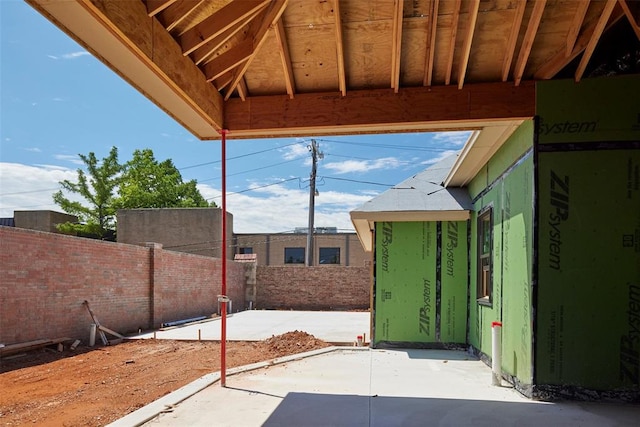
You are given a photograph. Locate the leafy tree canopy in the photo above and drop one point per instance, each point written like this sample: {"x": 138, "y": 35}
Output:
{"x": 107, "y": 186}
{"x": 97, "y": 186}
{"x": 147, "y": 183}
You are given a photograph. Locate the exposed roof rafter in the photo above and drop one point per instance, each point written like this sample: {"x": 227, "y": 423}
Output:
{"x": 228, "y": 60}
{"x": 635, "y": 22}
{"x": 595, "y": 37}
{"x": 342, "y": 78}
{"x": 156, "y": 6}
{"x": 559, "y": 60}
{"x": 452, "y": 41}
{"x": 218, "y": 23}
{"x": 205, "y": 52}
{"x": 468, "y": 39}
{"x": 432, "y": 29}
{"x": 258, "y": 30}
{"x": 576, "y": 24}
{"x": 513, "y": 39}
{"x": 177, "y": 12}
{"x": 283, "y": 47}
{"x": 396, "y": 44}
{"x": 529, "y": 37}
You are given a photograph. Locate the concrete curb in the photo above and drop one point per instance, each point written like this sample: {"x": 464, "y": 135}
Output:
{"x": 167, "y": 402}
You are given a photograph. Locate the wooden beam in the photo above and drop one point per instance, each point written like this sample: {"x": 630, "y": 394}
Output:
{"x": 432, "y": 30}
{"x": 452, "y": 41}
{"x": 396, "y": 44}
{"x": 217, "y": 23}
{"x": 228, "y": 60}
{"x": 243, "y": 91}
{"x": 342, "y": 78}
{"x": 468, "y": 39}
{"x": 632, "y": 19}
{"x": 156, "y": 6}
{"x": 576, "y": 24}
{"x": 176, "y": 13}
{"x": 595, "y": 37}
{"x": 258, "y": 33}
{"x": 513, "y": 39}
{"x": 205, "y": 52}
{"x": 137, "y": 48}
{"x": 529, "y": 37}
{"x": 285, "y": 57}
{"x": 379, "y": 110}
{"x": 559, "y": 60}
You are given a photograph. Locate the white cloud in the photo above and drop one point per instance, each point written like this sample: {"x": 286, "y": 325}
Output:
{"x": 270, "y": 209}
{"x": 25, "y": 187}
{"x": 295, "y": 151}
{"x": 364, "y": 165}
{"x": 441, "y": 156}
{"x": 70, "y": 55}
{"x": 456, "y": 138}
{"x": 278, "y": 208}
{"x": 33, "y": 150}
{"x": 74, "y": 55}
{"x": 73, "y": 158}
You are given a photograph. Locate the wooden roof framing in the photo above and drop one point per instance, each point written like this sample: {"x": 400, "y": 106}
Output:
{"x": 264, "y": 68}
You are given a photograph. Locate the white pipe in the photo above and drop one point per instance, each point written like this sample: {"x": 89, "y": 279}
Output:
{"x": 496, "y": 354}
{"x": 92, "y": 334}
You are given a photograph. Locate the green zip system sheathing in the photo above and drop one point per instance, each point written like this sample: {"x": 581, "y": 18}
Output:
{"x": 506, "y": 185}
{"x": 420, "y": 297}
{"x": 588, "y": 300}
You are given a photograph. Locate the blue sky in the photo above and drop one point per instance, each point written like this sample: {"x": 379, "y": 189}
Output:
{"x": 57, "y": 101}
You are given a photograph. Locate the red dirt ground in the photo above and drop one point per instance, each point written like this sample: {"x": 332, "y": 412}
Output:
{"x": 95, "y": 386}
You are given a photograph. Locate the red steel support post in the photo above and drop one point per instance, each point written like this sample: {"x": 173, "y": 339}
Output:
{"x": 223, "y": 323}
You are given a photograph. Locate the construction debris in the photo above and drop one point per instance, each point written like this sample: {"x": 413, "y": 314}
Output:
{"x": 103, "y": 329}
{"x": 30, "y": 345}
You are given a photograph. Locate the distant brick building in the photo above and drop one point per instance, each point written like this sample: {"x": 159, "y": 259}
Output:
{"x": 329, "y": 248}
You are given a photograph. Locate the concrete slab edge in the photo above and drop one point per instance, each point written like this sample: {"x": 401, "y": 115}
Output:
{"x": 167, "y": 402}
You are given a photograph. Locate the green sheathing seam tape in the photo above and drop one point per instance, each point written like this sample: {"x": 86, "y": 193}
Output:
{"x": 509, "y": 190}
{"x": 593, "y": 110}
{"x": 589, "y": 269}
{"x": 406, "y": 293}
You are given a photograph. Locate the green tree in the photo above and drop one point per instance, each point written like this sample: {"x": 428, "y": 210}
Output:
{"x": 147, "y": 183}
{"x": 97, "y": 186}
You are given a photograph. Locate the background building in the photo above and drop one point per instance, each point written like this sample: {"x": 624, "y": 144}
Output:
{"x": 329, "y": 248}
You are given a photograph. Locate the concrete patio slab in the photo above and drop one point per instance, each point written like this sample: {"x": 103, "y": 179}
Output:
{"x": 256, "y": 325}
{"x": 363, "y": 387}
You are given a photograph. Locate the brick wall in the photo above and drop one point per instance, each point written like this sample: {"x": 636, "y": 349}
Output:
{"x": 313, "y": 288}
{"x": 45, "y": 277}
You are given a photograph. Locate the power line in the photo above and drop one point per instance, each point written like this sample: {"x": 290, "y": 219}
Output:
{"x": 251, "y": 170}
{"x": 239, "y": 157}
{"x": 255, "y": 188}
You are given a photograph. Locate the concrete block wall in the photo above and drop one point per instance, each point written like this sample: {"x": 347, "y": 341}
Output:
{"x": 313, "y": 288}
{"x": 45, "y": 277}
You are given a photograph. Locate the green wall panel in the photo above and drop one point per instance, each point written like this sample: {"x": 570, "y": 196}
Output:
{"x": 405, "y": 295}
{"x": 454, "y": 269}
{"x": 589, "y": 269}
{"x": 604, "y": 109}
{"x": 508, "y": 188}
{"x": 517, "y": 267}
{"x": 413, "y": 304}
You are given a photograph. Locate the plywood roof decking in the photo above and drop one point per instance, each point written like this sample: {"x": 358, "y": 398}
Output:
{"x": 239, "y": 64}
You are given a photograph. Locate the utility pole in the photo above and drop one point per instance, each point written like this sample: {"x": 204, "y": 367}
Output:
{"x": 312, "y": 199}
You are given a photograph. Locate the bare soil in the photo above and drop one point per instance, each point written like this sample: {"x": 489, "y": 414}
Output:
{"x": 95, "y": 386}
